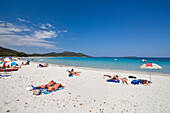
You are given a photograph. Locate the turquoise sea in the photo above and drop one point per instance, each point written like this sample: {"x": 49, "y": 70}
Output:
{"x": 131, "y": 64}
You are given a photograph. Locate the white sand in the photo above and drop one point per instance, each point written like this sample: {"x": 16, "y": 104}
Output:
{"x": 86, "y": 93}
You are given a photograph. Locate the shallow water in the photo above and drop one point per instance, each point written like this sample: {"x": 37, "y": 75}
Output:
{"x": 131, "y": 64}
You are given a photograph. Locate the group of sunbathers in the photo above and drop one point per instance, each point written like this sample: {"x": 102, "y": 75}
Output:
{"x": 53, "y": 86}
{"x": 9, "y": 66}
{"x": 124, "y": 80}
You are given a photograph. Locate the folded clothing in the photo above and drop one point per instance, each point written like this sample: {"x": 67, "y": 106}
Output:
{"x": 132, "y": 77}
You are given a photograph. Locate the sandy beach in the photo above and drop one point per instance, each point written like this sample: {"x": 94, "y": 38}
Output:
{"x": 88, "y": 92}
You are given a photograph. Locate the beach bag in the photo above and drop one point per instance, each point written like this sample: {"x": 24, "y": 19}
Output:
{"x": 29, "y": 88}
{"x": 132, "y": 77}
{"x": 36, "y": 92}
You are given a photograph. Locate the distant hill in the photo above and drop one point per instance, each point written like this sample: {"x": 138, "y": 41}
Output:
{"x": 67, "y": 53}
{"x": 10, "y": 52}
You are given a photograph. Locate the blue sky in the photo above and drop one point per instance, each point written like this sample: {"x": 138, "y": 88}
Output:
{"x": 93, "y": 27}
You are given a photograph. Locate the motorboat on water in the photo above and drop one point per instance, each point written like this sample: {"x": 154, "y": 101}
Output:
{"x": 143, "y": 60}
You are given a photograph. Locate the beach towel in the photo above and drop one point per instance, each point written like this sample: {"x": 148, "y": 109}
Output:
{"x": 5, "y": 75}
{"x": 111, "y": 80}
{"x": 70, "y": 75}
{"x": 135, "y": 82}
{"x": 48, "y": 92}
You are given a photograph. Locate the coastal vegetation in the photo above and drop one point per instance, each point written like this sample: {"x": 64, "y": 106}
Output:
{"x": 10, "y": 52}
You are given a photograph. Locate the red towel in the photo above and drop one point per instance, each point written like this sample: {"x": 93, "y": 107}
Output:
{"x": 149, "y": 65}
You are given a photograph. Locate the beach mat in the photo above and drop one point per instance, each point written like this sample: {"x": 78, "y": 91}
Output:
{"x": 48, "y": 92}
{"x": 5, "y": 75}
{"x": 110, "y": 80}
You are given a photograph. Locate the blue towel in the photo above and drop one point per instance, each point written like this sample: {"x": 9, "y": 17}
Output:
{"x": 136, "y": 82}
{"x": 5, "y": 75}
{"x": 70, "y": 75}
{"x": 111, "y": 80}
{"x": 48, "y": 92}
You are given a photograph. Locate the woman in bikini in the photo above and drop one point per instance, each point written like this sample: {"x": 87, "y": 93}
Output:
{"x": 74, "y": 73}
{"x": 51, "y": 86}
{"x": 115, "y": 78}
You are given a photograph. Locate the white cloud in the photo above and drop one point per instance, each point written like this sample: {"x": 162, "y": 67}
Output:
{"x": 9, "y": 28}
{"x": 15, "y": 40}
{"x": 43, "y": 26}
{"x": 64, "y": 31}
{"x": 14, "y": 35}
{"x": 49, "y": 25}
{"x": 2, "y": 24}
{"x": 45, "y": 34}
{"x": 21, "y": 20}
{"x": 46, "y": 26}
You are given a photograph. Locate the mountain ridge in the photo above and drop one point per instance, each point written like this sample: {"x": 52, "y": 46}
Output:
{"x": 10, "y": 52}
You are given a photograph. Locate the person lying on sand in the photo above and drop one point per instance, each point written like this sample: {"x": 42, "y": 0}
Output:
{"x": 141, "y": 81}
{"x": 45, "y": 65}
{"x": 55, "y": 87}
{"x": 74, "y": 73}
{"x": 51, "y": 86}
{"x": 108, "y": 76}
{"x": 144, "y": 82}
{"x": 27, "y": 63}
{"x": 115, "y": 78}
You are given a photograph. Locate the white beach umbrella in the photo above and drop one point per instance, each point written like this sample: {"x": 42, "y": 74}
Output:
{"x": 150, "y": 66}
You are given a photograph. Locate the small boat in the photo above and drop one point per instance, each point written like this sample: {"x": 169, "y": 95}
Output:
{"x": 9, "y": 69}
{"x": 143, "y": 60}
{"x": 115, "y": 59}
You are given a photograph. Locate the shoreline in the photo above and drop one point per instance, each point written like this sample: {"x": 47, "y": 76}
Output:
{"x": 109, "y": 70}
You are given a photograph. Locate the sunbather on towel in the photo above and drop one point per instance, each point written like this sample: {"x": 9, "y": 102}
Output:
{"x": 55, "y": 87}
{"x": 51, "y": 86}
{"x": 108, "y": 76}
{"x": 27, "y": 63}
{"x": 74, "y": 73}
{"x": 45, "y": 65}
{"x": 144, "y": 82}
{"x": 115, "y": 78}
